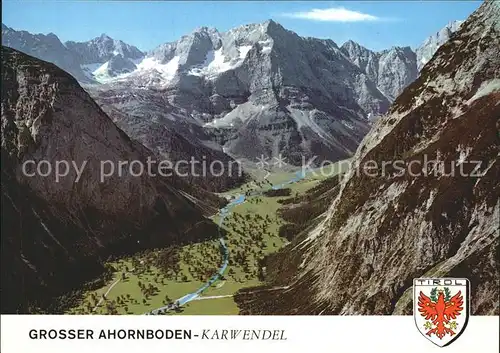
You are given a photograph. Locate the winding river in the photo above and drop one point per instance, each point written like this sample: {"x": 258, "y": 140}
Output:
{"x": 223, "y": 212}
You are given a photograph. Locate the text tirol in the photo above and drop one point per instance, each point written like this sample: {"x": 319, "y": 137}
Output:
{"x": 441, "y": 282}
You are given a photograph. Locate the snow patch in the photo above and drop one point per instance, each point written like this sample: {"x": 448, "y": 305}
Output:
{"x": 97, "y": 71}
{"x": 244, "y": 51}
{"x": 267, "y": 45}
{"x": 102, "y": 70}
{"x": 216, "y": 62}
{"x": 167, "y": 71}
{"x": 101, "y": 74}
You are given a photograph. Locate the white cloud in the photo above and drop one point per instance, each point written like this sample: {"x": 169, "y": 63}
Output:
{"x": 334, "y": 14}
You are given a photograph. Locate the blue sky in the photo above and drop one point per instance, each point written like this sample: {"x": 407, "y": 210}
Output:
{"x": 374, "y": 24}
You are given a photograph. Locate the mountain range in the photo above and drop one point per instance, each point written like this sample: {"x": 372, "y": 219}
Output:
{"x": 254, "y": 91}
{"x": 379, "y": 232}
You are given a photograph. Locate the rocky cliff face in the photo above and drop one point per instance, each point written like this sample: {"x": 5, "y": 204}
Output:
{"x": 391, "y": 70}
{"x": 102, "y": 49}
{"x": 427, "y": 49}
{"x": 103, "y": 58}
{"x": 388, "y": 227}
{"x": 55, "y": 232}
{"x": 148, "y": 116}
{"x": 257, "y": 90}
{"x": 46, "y": 47}
{"x": 97, "y": 60}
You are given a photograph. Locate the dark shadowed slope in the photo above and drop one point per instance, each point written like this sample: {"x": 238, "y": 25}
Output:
{"x": 54, "y": 234}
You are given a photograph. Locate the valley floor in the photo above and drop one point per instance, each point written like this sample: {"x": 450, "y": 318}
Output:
{"x": 153, "y": 279}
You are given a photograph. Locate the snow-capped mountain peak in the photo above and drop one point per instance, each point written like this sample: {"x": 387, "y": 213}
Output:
{"x": 104, "y": 58}
{"x": 204, "y": 53}
{"x": 103, "y": 48}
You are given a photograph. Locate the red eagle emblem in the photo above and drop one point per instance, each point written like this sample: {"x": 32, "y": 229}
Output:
{"x": 440, "y": 310}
